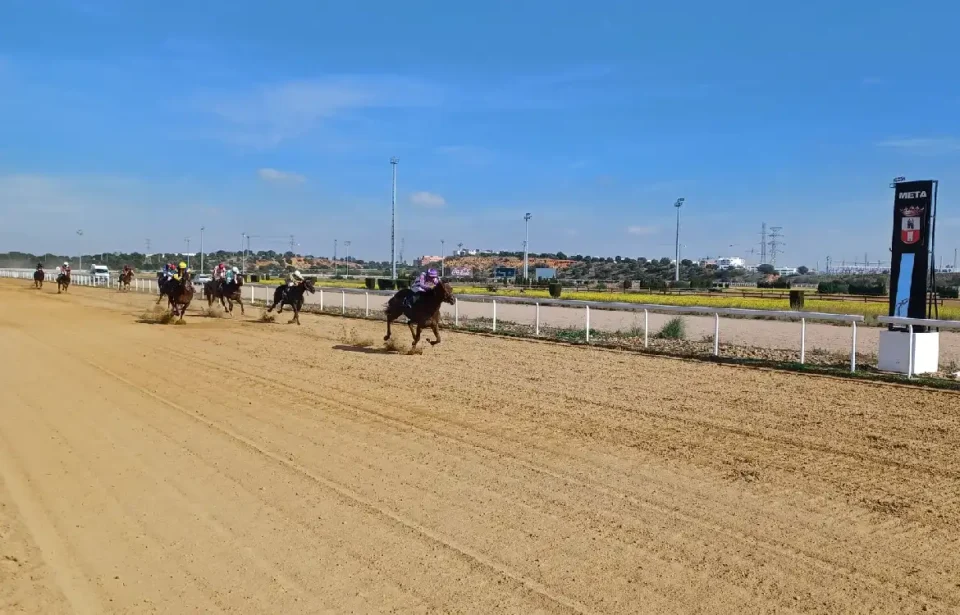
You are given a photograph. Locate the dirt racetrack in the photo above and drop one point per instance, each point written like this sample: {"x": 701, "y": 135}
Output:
{"x": 241, "y": 467}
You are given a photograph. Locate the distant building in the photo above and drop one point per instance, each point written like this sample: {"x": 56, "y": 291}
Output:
{"x": 425, "y": 260}
{"x": 786, "y": 271}
{"x": 730, "y": 262}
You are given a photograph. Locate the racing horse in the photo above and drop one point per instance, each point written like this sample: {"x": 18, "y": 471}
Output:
{"x": 63, "y": 282}
{"x": 423, "y": 312}
{"x": 226, "y": 293}
{"x": 292, "y": 296}
{"x": 38, "y": 277}
{"x": 179, "y": 294}
{"x": 123, "y": 282}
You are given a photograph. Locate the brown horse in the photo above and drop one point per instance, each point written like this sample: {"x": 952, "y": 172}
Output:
{"x": 226, "y": 293}
{"x": 63, "y": 282}
{"x": 425, "y": 311}
{"x": 179, "y": 294}
{"x": 38, "y": 277}
{"x": 124, "y": 280}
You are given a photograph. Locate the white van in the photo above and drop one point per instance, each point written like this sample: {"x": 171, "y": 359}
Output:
{"x": 100, "y": 275}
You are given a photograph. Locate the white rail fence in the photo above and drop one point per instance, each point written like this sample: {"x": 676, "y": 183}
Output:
{"x": 255, "y": 292}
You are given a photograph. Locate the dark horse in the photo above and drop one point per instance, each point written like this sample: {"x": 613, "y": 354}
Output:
{"x": 226, "y": 293}
{"x": 124, "y": 280}
{"x": 38, "y": 277}
{"x": 63, "y": 282}
{"x": 292, "y": 296}
{"x": 179, "y": 294}
{"x": 424, "y": 312}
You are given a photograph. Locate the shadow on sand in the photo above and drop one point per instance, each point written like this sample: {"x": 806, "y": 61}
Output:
{"x": 363, "y": 350}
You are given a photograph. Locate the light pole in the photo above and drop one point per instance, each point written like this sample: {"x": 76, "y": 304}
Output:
{"x": 243, "y": 254}
{"x": 187, "y": 240}
{"x": 201, "y": 250}
{"x": 678, "y": 204}
{"x": 441, "y": 258}
{"x": 335, "y": 258}
{"x": 526, "y": 245}
{"x": 80, "y": 234}
{"x": 393, "y": 221}
{"x": 346, "y": 244}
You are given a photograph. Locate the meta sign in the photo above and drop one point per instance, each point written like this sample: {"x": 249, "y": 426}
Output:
{"x": 913, "y": 206}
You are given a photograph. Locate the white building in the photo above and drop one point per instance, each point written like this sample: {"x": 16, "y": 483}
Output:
{"x": 731, "y": 262}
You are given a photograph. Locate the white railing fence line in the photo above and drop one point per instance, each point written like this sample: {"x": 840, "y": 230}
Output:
{"x": 149, "y": 285}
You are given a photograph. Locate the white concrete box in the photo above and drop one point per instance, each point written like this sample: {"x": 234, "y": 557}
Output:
{"x": 894, "y": 353}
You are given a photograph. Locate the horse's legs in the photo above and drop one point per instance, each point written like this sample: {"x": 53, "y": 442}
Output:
{"x": 240, "y": 301}
{"x": 436, "y": 332}
{"x": 389, "y": 320}
{"x": 416, "y": 336}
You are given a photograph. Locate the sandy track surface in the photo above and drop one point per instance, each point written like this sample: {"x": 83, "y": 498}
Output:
{"x": 296, "y": 472}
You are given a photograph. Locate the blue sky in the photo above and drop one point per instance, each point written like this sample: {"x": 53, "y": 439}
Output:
{"x": 136, "y": 120}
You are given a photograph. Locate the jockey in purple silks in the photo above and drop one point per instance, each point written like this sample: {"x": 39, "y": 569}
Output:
{"x": 427, "y": 280}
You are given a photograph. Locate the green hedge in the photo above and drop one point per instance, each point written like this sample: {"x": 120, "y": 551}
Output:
{"x": 370, "y": 283}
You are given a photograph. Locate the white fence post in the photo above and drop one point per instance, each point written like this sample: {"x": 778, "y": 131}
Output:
{"x": 494, "y": 315}
{"x": 716, "y": 335}
{"x": 588, "y": 323}
{"x": 853, "y": 348}
{"x": 456, "y": 312}
{"x": 803, "y": 340}
{"x": 343, "y": 303}
{"x": 366, "y": 312}
{"x": 646, "y": 328}
{"x": 536, "y": 328}
{"x": 910, "y": 349}
{"x": 321, "y": 299}
{"x": 253, "y": 294}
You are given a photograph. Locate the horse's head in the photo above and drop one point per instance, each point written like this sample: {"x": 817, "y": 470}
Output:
{"x": 445, "y": 292}
{"x": 308, "y": 284}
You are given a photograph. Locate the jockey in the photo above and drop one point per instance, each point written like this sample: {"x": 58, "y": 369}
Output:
{"x": 168, "y": 271}
{"x": 294, "y": 278}
{"x": 65, "y": 269}
{"x": 426, "y": 281}
{"x": 230, "y": 276}
{"x": 39, "y": 266}
{"x": 220, "y": 272}
{"x": 181, "y": 271}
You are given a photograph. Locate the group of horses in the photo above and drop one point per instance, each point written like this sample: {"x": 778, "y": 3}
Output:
{"x": 63, "y": 280}
{"x": 421, "y": 310}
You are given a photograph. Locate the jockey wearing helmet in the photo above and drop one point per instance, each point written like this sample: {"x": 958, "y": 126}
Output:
{"x": 426, "y": 281}
{"x": 294, "y": 278}
{"x": 65, "y": 269}
{"x": 230, "y": 276}
{"x": 220, "y": 272}
{"x": 181, "y": 272}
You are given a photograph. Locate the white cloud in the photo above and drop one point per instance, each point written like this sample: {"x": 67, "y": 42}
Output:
{"x": 271, "y": 114}
{"x": 280, "y": 177}
{"x": 923, "y": 145}
{"x": 427, "y": 199}
{"x": 642, "y": 230}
